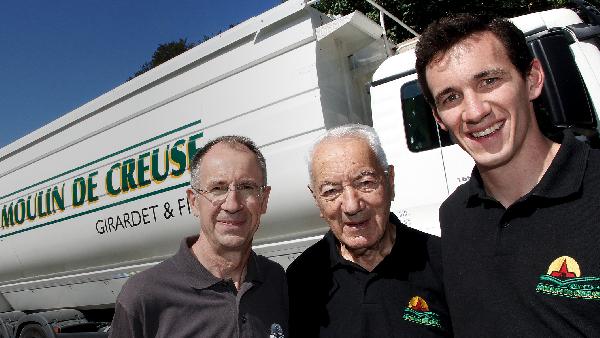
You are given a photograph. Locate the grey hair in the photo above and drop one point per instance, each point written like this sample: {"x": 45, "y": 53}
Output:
{"x": 230, "y": 140}
{"x": 359, "y": 131}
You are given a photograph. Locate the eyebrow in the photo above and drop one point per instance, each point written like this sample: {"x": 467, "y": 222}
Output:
{"x": 359, "y": 176}
{"x": 366, "y": 173}
{"x": 489, "y": 72}
{"x": 478, "y": 76}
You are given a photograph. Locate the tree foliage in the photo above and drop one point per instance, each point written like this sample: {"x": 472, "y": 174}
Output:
{"x": 168, "y": 50}
{"x": 419, "y": 13}
{"x": 165, "y": 52}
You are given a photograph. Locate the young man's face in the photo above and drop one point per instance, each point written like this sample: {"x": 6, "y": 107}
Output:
{"x": 483, "y": 100}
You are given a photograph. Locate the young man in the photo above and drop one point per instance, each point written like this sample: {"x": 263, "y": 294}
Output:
{"x": 370, "y": 276}
{"x": 519, "y": 239}
{"x": 215, "y": 286}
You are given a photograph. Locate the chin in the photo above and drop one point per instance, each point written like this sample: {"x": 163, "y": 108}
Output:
{"x": 358, "y": 243}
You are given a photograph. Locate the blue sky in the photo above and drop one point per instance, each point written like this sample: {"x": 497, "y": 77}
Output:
{"x": 57, "y": 55}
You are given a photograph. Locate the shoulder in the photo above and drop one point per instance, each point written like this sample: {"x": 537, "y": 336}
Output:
{"x": 314, "y": 257}
{"x": 594, "y": 160}
{"x": 457, "y": 197}
{"x": 269, "y": 268}
{"x": 144, "y": 285}
{"x": 422, "y": 247}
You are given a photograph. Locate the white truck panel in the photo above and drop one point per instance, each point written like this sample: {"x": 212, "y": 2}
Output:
{"x": 237, "y": 83}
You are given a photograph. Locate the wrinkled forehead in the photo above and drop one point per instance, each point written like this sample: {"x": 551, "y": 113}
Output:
{"x": 343, "y": 157}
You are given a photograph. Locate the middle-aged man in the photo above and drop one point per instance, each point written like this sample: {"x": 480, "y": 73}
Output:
{"x": 370, "y": 276}
{"x": 520, "y": 238}
{"x": 215, "y": 286}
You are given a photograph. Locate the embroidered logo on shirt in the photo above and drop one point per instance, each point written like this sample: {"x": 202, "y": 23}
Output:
{"x": 276, "y": 331}
{"x": 418, "y": 312}
{"x": 564, "y": 279}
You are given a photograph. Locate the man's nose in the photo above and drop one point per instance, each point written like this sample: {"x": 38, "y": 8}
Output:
{"x": 232, "y": 201}
{"x": 475, "y": 107}
{"x": 352, "y": 202}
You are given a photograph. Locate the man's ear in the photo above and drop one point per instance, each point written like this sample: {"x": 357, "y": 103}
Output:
{"x": 192, "y": 196}
{"x": 535, "y": 80}
{"x": 265, "y": 199}
{"x": 390, "y": 177}
{"x": 312, "y": 192}
{"x": 437, "y": 118}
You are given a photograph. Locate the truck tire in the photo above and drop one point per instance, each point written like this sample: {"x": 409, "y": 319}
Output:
{"x": 33, "y": 331}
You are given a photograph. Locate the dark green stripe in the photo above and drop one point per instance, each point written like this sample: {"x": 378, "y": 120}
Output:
{"x": 96, "y": 209}
{"x": 105, "y": 157}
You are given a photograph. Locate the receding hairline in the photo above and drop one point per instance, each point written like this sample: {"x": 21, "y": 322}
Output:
{"x": 235, "y": 146}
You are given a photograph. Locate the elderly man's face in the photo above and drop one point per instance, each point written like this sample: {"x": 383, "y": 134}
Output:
{"x": 352, "y": 191}
{"x": 229, "y": 222}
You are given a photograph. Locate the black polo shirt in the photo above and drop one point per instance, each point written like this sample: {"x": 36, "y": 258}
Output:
{"x": 533, "y": 269}
{"x": 402, "y": 297}
{"x": 180, "y": 298}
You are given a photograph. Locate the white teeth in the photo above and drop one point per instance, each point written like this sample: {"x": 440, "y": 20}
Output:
{"x": 488, "y": 130}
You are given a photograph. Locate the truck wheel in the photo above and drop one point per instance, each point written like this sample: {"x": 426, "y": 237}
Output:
{"x": 32, "y": 331}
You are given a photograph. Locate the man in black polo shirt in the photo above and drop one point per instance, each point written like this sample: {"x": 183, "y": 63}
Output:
{"x": 519, "y": 239}
{"x": 370, "y": 276}
{"x": 215, "y": 286}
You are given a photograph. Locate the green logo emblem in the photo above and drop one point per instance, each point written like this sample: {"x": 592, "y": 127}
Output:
{"x": 418, "y": 312}
{"x": 564, "y": 280}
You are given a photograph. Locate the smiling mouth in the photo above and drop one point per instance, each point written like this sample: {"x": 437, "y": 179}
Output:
{"x": 356, "y": 224}
{"x": 488, "y": 131}
{"x": 231, "y": 222}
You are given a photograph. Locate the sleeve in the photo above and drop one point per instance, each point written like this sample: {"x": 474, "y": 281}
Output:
{"x": 126, "y": 321}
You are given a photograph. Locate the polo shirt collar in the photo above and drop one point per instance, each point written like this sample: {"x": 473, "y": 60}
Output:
{"x": 565, "y": 175}
{"x": 335, "y": 257}
{"x": 198, "y": 276}
{"x": 563, "y": 178}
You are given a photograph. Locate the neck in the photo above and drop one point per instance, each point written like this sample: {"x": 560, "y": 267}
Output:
{"x": 226, "y": 264}
{"x": 369, "y": 258}
{"x": 515, "y": 179}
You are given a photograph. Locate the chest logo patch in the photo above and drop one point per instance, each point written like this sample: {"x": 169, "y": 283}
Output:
{"x": 564, "y": 279}
{"x": 417, "y": 311}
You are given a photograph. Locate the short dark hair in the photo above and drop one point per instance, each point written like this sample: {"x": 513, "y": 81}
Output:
{"x": 231, "y": 140}
{"x": 440, "y": 36}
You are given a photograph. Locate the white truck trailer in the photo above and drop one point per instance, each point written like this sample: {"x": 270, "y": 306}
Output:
{"x": 99, "y": 194}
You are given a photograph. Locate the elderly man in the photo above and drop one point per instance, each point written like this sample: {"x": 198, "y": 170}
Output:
{"x": 370, "y": 276}
{"x": 520, "y": 238}
{"x": 215, "y": 285}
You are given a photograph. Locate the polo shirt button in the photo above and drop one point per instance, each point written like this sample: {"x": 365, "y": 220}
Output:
{"x": 243, "y": 319}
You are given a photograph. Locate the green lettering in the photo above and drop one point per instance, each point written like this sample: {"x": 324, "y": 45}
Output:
{"x": 179, "y": 159}
{"x": 78, "y": 191}
{"x": 48, "y": 201}
{"x": 7, "y": 216}
{"x": 109, "y": 181}
{"x": 58, "y": 199}
{"x": 142, "y": 169}
{"x": 127, "y": 171}
{"x": 156, "y": 175}
{"x": 31, "y": 216}
{"x": 40, "y": 205}
{"x": 20, "y": 211}
{"x": 91, "y": 185}
{"x": 191, "y": 147}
